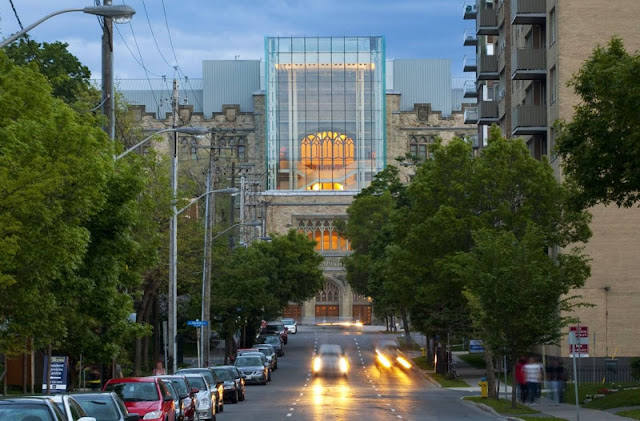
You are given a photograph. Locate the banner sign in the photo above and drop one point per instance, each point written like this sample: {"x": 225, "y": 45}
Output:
{"x": 59, "y": 370}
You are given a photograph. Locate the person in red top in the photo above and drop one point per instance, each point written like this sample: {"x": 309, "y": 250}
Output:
{"x": 520, "y": 379}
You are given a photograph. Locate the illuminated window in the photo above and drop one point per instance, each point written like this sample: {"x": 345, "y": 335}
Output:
{"x": 326, "y": 150}
{"x": 324, "y": 234}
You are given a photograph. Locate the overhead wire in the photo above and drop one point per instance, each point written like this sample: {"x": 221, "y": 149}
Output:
{"x": 15, "y": 12}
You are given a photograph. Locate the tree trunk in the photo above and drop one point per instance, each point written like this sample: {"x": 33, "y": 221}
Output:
{"x": 49, "y": 353}
{"x": 514, "y": 383}
{"x": 405, "y": 323}
{"x": 491, "y": 375}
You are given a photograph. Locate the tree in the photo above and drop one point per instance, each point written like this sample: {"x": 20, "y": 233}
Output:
{"x": 599, "y": 147}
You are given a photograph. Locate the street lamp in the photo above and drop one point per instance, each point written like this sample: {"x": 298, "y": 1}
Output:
{"x": 195, "y": 131}
{"x": 231, "y": 190}
{"x": 120, "y": 14}
{"x": 246, "y": 224}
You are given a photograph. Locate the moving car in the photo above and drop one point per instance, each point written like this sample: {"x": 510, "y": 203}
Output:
{"x": 252, "y": 366}
{"x": 272, "y": 339}
{"x": 330, "y": 361}
{"x": 31, "y": 408}
{"x": 148, "y": 397}
{"x": 270, "y": 353}
{"x": 186, "y": 397}
{"x": 279, "y": 328}
{"x": 388, "y": 355}
{"x": 70, "y": 408}
{"x": 104, "y": 406}
{"x": 205, "y": 400}
{"x": 231, "y": 392}
{"x": 291, "y": 325}
{"x": 216, "y": 386}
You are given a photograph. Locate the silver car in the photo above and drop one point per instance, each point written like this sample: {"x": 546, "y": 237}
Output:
{"x": 330, "y": 361}
{"x": 253, "y": 367}
{"x": 205, "y": 407}
{"x": 270, "y": 353}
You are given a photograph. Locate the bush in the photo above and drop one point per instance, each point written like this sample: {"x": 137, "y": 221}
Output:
{"x": 635, "y": 368}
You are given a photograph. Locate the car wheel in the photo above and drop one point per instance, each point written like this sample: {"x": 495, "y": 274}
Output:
{"x": 242, "y": 396}
{"x": 269, "y": 376}
{"x": 234, "y": 398}
{"x": 222, "y": 406}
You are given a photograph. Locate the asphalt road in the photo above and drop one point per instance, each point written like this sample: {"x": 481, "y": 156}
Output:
{"x": 367, "y": 395}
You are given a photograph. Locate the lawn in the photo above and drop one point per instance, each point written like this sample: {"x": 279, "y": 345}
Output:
{"x": 591, "y": 389}
{"x": 424, "y": 364}
{"x": 503, "y": 406}
{"x": 402, "y": 343}
{"x": 534, "y": 418}
{"x": 616, "y": 400}
{"x": 474, "y": 360}
{"x": 632, "y": 413}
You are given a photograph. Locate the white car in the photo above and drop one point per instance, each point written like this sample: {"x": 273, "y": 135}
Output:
{"x": 72, "y": 409}
{"x": 204, "y": 401}
{"x": 291, "y": 325}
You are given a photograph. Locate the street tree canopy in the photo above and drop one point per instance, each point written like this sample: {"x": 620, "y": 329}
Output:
{"x": 599, "y": 147}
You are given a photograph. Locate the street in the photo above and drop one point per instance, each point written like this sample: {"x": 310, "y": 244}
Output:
{"x": 393, "y": 394}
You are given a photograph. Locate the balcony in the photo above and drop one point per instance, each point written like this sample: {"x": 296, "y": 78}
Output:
{"x": 470, "y": 89}
{"x": 470, "y": 10}
{"x": 473, "y": 139}
{"x": 487, "y": 112}
{"x": 487, "y": 21}
{"x": 529, "y": 120}
{"x": 470, "y": 38}
{"x": 528, "y": 12}
{"x": 529, "y": 64}
{"x": 469, "y": 64}
{"x": 488, "y": 68}
{"x": 471, "y": 115}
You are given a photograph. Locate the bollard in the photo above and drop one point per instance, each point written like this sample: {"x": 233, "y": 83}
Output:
{"x": 423, "y": 352}
{"x": 484, "y": 387}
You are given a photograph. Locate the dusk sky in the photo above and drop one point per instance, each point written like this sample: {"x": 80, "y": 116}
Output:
{"x": 215, "y": 29}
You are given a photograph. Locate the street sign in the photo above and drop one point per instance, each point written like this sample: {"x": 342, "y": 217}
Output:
{"x": 475, "y": 346}
{"x": 584, "y": 331}
{"x": 579, "y": 341}
{"x": 59, "y": 368}
{"x": 197, "y": 323}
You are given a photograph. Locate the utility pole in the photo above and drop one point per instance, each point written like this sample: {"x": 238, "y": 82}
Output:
{"x": 242, "y": 233}
{"x": 206, "y": 269}
{"x": 173, "y": 239}
{"x": 233, "y": 210}
{"x": 108, "y": 106}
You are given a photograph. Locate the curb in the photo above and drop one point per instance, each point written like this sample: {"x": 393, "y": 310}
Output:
{"x": 489, "y": 409}
{"x": 431, "y": 379}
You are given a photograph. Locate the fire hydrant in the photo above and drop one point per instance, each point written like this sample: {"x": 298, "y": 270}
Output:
{"x": 484, "y": 387}
{"x": 423, "y": 351}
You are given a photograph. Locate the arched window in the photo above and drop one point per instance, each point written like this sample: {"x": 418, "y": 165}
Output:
{"x": 326, "y": 150}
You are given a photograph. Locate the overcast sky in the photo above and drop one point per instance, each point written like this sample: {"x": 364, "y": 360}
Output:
{"x": 217, "y": 29}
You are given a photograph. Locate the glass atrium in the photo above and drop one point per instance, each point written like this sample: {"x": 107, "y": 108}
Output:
{"x": 325, "y": 112}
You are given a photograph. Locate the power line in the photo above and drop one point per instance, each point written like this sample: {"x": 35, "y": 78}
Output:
{"x": 166, "y": 22}
{"x": 153, "y": 35}
{"x": 15, "y": 12}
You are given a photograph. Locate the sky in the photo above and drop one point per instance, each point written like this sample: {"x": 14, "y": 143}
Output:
{"x": 166, "y": 33}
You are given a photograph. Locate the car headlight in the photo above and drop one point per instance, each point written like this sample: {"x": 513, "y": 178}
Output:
{"x": 152, "y": 415}
{"x": 403, "y": 362}
{"x": 344, "y": 366}
{"x": 317, "y": 364}
{"x": 384, "y": 360}
{"x": 257, "y": 373}
{"x": 204, "y": 403}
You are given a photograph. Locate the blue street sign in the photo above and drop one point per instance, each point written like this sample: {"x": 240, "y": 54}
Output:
{"x": 197, "y": 323}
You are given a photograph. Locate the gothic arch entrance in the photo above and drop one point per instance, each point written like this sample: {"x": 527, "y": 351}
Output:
{"x": 328, "y": 302}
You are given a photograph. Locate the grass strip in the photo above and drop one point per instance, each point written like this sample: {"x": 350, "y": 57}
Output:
{"x": 503, "y": 406}
{"x": 631, "y": 413}
{"x": 619, "y": 399}
{"x": 474, "y": 360}
{"x": 534, "y": 418}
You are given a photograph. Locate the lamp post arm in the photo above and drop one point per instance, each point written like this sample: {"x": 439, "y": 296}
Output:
{"x": 137, "y": 145}
{"x": 17, "y": 35}
{"x": 229, "y": 229}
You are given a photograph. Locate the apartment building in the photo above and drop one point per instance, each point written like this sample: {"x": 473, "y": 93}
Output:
{"x": 525, "y": 53}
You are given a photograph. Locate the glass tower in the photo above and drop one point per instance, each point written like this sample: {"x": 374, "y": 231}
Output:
{"x": 325, "y": 112}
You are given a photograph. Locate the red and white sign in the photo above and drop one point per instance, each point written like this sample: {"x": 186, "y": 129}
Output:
{"x": 584, "y": 331}
{"x": 578, "y": 341}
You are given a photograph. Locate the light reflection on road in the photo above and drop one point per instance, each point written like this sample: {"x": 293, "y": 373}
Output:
{"x": 334, "y": 393}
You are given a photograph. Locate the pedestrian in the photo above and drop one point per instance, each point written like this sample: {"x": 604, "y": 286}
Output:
{"x": 561, "y": 377}
{"x": 159, "y": 370}
{"x": 552, "y": 372}
{"x": 520, "y": 379}
{"x": 533, "y": 372}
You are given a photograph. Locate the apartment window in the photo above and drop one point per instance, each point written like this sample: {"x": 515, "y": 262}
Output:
{"x": 553, "y": 82}
{"x": 418, "y": 147}
{"x": 552, "y": 25}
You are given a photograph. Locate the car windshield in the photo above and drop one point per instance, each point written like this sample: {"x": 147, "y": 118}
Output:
{"x": 135, "y": 392}
{"x": 248, "y": 361}
{"x": 265, "y": 351}
{"x": 197, "y": 382}
{"x": 100, "y": 408}
{"x": 271, "y": 340}
{"x": 25, "y": 412}
{"x": 288, "y": 321}
{"x": 179, "y": 385}
{"x": 275, "y": 326}
{"x": 223, "y": 374}
{"x": 204, "y": 373}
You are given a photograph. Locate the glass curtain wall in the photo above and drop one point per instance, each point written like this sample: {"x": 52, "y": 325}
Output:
{"x": 325, "y": 112}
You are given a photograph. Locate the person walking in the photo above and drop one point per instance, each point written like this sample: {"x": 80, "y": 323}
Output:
{"x": 520, "y": 379}
{"x": 159, "y": 369}
{"x": 533, "y": 372}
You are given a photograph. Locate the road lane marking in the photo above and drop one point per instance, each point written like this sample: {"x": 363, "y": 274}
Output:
{"x": 289, "y": 414}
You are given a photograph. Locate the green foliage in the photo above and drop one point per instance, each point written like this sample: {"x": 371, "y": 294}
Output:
{"x": 599, "y": 147}
{"x": 635, "y": 368}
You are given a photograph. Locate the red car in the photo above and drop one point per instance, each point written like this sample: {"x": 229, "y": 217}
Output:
{"x": 148, "y": 397}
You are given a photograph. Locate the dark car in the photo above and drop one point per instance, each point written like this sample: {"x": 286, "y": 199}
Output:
{"x": 148, "y": 397}
{"x": 104, "y": 407}
{"x": 231, "y": 392}
{"x": 238, "y": 377}
{"x": 30, "y": 408}
{"x": 216, "y": 385}
{"x": 186, "y": 396}
{"x": 279, "y": 328}
{"x": 272, "y": 339}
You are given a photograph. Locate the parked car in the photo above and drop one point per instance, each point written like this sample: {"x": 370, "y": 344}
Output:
{"x": 253, "y": 351}
{"x": 231, "y": 392}
{"x": 272, "y": 339}
{"x": 330, "y": 360}
{"x": 34, "y": 408}
{"x": 291, "y": 325}
{"x": 205, "y": 400}
{"x": 71, "y": 409}
{"x": 148, "y": 397}
{"x": 270, "y": 353}
{"x": 216, "y": 386}
{"x": 186, "y": 397}
{"x": 253, "y": 367}
{"x": 104, "y": 407}
{"x": 279, "y": 328}
{"x": 238, "y": 377}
